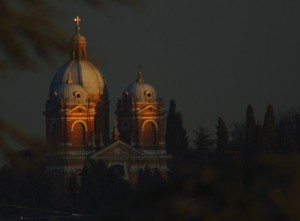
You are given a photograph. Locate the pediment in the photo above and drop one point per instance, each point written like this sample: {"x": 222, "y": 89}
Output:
{"x": 117, "y": 149}
{"x": 150, "y": 108}
{"x": 77, "y": 109}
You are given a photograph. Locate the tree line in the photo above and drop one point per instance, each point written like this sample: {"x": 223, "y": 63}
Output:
{"x": 205, "y": 180}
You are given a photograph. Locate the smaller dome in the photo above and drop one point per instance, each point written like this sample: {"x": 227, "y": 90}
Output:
{"x": 70, "y": 92}
{"x": 140, "y": 91}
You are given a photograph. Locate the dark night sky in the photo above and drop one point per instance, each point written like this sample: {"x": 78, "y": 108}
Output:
{"x": 214, "y": 57}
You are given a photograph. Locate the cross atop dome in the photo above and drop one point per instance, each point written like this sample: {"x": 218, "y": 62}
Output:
{"x": 77, "y": 20}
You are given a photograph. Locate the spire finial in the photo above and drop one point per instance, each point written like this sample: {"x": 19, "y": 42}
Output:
{"x": 140, "y": 77}
{"x": 77, "y": 20}
{"x": 116, "y": 134}
{"x": 69, "y": 80}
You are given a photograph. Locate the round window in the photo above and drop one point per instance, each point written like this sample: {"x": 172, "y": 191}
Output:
{"x": 148, "y": 94}
{"x": 78, "y": 95}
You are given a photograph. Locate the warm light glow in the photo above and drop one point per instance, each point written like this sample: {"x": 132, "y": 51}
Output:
{"x": 77, "y": 20}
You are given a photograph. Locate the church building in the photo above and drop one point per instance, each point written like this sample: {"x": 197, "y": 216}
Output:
{"x": 77, "y": 121}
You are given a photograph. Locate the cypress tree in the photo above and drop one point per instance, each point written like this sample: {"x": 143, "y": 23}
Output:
{"x": 222, "y": 135}
{"x": 259, "y": 138}
{"x": 94, "y": 185}
{"x": 250, "y": 127}
{"x": 297, "y": 131}
{"x": 288, "y": 131}
{"x": 170, "y": 125}
{"x": 176, "y": 142}
{"x": 203, "y": 140}
{"x": 176, "y": 138}
{"x": 249, "y": 151}
{"x": 270, "y": 130}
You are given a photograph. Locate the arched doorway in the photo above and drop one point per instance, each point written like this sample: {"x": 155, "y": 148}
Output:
{"x": 78, "y": 134}
{"x": 149, "y": 134}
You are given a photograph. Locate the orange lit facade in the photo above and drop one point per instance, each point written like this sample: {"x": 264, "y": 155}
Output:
{"x": 140, "y": 133}
{"x": 77, "y": 122}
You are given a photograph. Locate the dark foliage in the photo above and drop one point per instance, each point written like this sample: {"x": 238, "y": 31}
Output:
{"x": 250, "y": 127}
{"x": 222, "y": 136}
{"x": 270, "y": 130}
{"x": 218, "y": 189}
{"x": 176, "y": 138}
{"x": 250, "y": 135}
{"x": 289, "y": 131}
{"x": 203, "y": 140}
{"x": 19, "y": 188}
{"x": 148, "y": 181}
{"x": 203, "y": 143}
{"x": 102, "y": 190}
{"x": 237, "y": 133}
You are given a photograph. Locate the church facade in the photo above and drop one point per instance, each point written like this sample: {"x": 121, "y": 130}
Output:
{"x": 77, "y": 121}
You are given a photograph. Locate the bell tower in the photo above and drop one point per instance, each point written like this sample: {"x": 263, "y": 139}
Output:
{"x": 141, "y": 117}
{"x": 77, "y": 110}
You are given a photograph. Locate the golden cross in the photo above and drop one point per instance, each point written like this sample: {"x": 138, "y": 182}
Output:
{"x": 77, "y": 20}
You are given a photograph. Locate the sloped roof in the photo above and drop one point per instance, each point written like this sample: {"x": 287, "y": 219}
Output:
{"x": 120, "y": 149}
{"x": 117, "y": 149}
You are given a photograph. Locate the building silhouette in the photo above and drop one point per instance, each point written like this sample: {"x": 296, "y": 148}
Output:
{"x": 77, "y": 122}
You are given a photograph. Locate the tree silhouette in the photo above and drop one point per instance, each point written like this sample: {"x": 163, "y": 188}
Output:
{"x": 270, "y": 130}
{"x": 249, "y": 151}
{"x": 176, "y": 142}
{"x": 170, "y": 127}
{"x": 259, "y": 139}
{"x": 289, "y": 131}
{"x": 202, "y": 145}
{"x": 176, "y": 138}
{"x": 222, "y": 136}
{"x": 145, "y": 181}
{"x": 103, "y": 190}
{"x": 72, "y": 193}
{"x": 237, "y": 133}
{"x": 93, "y": 191}
{"x": 119, "y": 193}
{"x": 250, "y": 126}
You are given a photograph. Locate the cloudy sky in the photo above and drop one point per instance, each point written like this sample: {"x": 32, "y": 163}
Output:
{"x": 214, "y": 57}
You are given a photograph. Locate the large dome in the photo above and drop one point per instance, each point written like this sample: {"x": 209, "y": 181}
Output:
{"x": 82, "y": 72}
{"x": 140, "y": 91}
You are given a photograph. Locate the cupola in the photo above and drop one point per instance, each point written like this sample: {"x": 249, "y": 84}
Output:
{"x": 140, "y": 91}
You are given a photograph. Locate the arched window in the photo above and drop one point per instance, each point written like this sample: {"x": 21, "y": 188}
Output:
{"x": 149, "y": 133}
{"x": 78, "y": 134}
